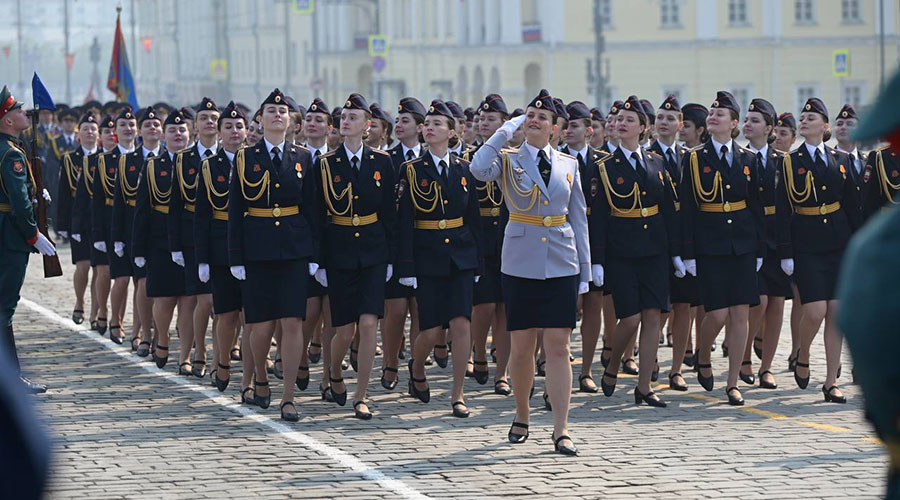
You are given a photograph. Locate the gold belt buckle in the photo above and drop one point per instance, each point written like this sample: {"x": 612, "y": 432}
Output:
{"x": 442, "y": 224}
{"x": 495, "y": 212}
{"x": 644, "y": 212}
{"x": 726, "y": 207}
{"x": 355, "y": 220}
{"x": 822, "y": 210}
{"x": 547, "y": 221}
{"x": 276, "y": 212}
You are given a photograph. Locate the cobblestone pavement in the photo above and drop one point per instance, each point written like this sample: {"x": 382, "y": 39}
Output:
{"x": 124, "y": 429}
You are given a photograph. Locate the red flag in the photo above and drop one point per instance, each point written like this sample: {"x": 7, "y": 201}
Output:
{"x": 120, "y": 80}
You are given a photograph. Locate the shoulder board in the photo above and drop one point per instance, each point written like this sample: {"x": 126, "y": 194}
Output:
{"x": 696, "y": 148}
{"x": 799, "y": 149}
{"x": 380, "y": 151}
{"x": 565, "y": 155}
{"x": 461, "y": 160}
{"x": 328, "y": 154}
{"x": 601, "y": 156}
{"x": 746, "y": 150}
{"x": 409, "y": 163}
{"x": 653, "y": 153}
{"x": 301, "y": 147}
{"x": 509, "y": 150}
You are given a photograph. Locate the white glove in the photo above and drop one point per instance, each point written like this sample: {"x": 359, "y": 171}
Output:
{"x": 511, "y": 126}
{"x": 46, "y": 195}
{"x": 583, "y": 287}
{"x": 758, "y": 263}
{"x": 101, "y": 247}
{"x": 477, "y": 278}
{"x": 390, "y": 272}
{"x": 313, "y": 267}
{"x": 63, "y": 234}
{"x": 203, "y": 272}
{"x": 597, "y": 274}
{"x": 118, "y": 247}
{"x": 408, "y": 282}
{"x": 44, "y": 246}
{"x": 679, "y": 266}
{"x": 787, "y": 265}
{"x": 238, "y": 272}
{"x": 322, "y": 277}
{"x": 690, "y": 266}
{"x": 140, "y": 262}
{"x": 178, "y": 258}
{"x": 76, "y": 237}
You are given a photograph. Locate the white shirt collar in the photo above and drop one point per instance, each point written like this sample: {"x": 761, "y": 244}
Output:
{"x": 88, "y": 151}
{"x": 812, "y": 150}
{"x": 612, "y": 147}
{"x": 124, "y": 151}
{"x": 665, "y": 149}
{"x": 627, "y": 153}
{"x": 69, "y": 138}
{"x": 171, "y": 156}
{"x": 438, "y": 159}
{"x": 146, "y": 152}
{"x": 229, "y": 155}
{"x": 351, "y": 154}
{"x": 764, "y": 151}
{"x": 312, "y": 149}
{"x": 582, "y": 151}
{"x": 269, "y": 147}
{"x": 457, "y": 149}
{"x": 417, "y": 150}
{"x": 718, "y": 147}
{"x": 533, "y": 151}
{"x": 202, "y": 149}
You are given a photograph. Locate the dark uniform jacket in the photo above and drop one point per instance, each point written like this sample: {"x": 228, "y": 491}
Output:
{"x": 633, "y": 215}
{"x": 69, "y": 176}
{"x": 211, "y": 216}
{"x": 256, "y": 184}
{"x": 128, "y": 176}
{"x": 807, "y": 187}
{"x": 105, "y": 190}
{"x": 81, "y": 222}
{"x": 768, "y": 189}
{"x": 184, "y": 199}
{"x": 430, "y": 252}
{"x": 493, "y": 211}
{"x": 348, "y": 199}
{"x": 152, "y": 208}
{"x": 707, "y": 181}
{"x": 880, "y": 182}
{"x": 18, "y": 228}
{"x": 591, "y": 184}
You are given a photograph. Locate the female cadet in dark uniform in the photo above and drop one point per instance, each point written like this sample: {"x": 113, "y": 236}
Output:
{"x": 440, "y": 251}
{"x": 816, "y": 212}
{"x": 70, "y": 172}
{"x": 150, "y": 244}
{"x": 272, "y": 235}
{"x": 545, "y": 258}
{"x": 379, "y": 134}
{"x": 358, "y": 245}
{"x": 723, "y": 236}
{"x": 635, "y": 234}
{"x": 488, "y": 311}
{"x": 880, "y": 182}
{"x": 210, "y": 234}
{"x": 774, "y": 285}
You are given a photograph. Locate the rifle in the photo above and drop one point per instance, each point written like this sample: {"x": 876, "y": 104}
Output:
{"x": 52, "y": 267}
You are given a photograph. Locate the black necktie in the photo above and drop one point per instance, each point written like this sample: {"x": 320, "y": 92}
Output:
{"x": 673, "y": 163}
{"x": 410, "y": 155}
{"x": 853, "y": 163}
{"x": 315, "y": 155}
{"x": 580, "y": 160}
{"x": 820, "y": 164}
{"x": 762, "y": 161}
{"x": 639, "y": 167}
{"x": 354, "y": 162}
{"x": 724, "y": 150}
{"x": 444, "y": 169}
{"x": 544, "y": 167}
{"x": 276, "y": 160}
{"x": 207, "y": 153}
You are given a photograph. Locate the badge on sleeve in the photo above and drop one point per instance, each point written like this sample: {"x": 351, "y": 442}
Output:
{"x": 17, "y": 167}
{"x": 377, "y": 177}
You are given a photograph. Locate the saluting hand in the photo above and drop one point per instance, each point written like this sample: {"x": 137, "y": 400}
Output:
{"x": 238, "y": 272}
{"x": 203, "y": 272}
{"x": 511, "y": 126}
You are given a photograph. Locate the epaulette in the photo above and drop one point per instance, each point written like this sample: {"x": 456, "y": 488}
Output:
{"x": 328, "y": 154}
{"x": 407, "y": 163}
{"x": 696, "y": 148}
{"x": 301, "y": 147}
{"x": 380, "y": 151}
{"x": 461, "y": 160}
{"x": 653, "y": 153}
{"x": 601, "y": 156}
{"x": 566, "y": 155}
{"x": 509, "y": 151}
{"x": 746, "y": 150}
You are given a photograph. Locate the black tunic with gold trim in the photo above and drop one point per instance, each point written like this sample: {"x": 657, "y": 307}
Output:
{"x": 494, "y": 216}
{"x": 70, "y": 173}
{"x": 181, "y": 217}
{"x": 880, "y": 182}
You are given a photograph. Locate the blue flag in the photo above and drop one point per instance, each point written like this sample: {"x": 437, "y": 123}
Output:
{"x": 41, "y": 96}
{"x": 120, "y": 80}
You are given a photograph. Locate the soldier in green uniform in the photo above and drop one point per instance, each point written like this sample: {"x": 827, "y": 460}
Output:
{"x": 19, "y": 235}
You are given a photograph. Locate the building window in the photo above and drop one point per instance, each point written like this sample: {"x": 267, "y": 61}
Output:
{"x": 804, "y": 12}
{"x": 670, "y": 13}
{"x": 805, "y": 91}
{"x": 737, "y": 13}
{"x": 850, "y": 12}
{"x": 854, "y": 94}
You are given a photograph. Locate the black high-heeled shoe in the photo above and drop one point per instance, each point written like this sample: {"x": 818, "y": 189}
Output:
{"x": 481, "y": 376}
{"x": 362, "y": 415}
{"x": 502, "y": 388}
{"x": 303, "y": 382}
{"x": 604, "y": 361}
{"x": 278, "y": 372}
{"x": 184, "y": 371}
{"x": 339, "y": 397}
{"x": 389, "y": 384}
{"x": 547, "y": 405}
{"x": 160, "y": 361}
{"x": 724, "y": 351}
{"x": 220, "y": 384}
{"x": 517, "y": 438}
{"x": 707, "y": 383}
{"x": 582, "y": 387}
{"x": 569, "y": 451}
{"x": 326, "y": 394}
{"x": 314, "y": 357}
{"x": 78, "y": 316}
{"x": 650, "y": 398}
{"x": 94, "y": 325}
{"x": 757, "y": 347}
{"x": 494, "y": 355}
{"x": 734, "y": 400}
{"x": 608, "y": 389}
{"x": 101, "y": 329}
{"x": 460, "y": 413}
{"x": 792, "y": 361}
{"x": 135, "y": 342}
{"x": 251, "y": 401}
{"x": 801, "y": 382}
{"x": 117, "y": 339}
{"x": 235, "y": 354}
{"x": 688, "y": 358}
{"x": 540, "y": 372}
{"x": 831, "y": 398}
{"x": 629, "y": 367}
{"x": 441, "y": 361}
{"x": 749, "y": 379}
{"x": 198, "y": 372}
{"x": 289, "y": 417}
{"x": 261, "y": 401}
{"x": 354, "y": 360}
{"x": 143, "y": 351}
{"x": 762, "y": 382}
{"x": 655, "y": 375}
{"x": 423, "y": 395}
{"x": 674, "y": 386}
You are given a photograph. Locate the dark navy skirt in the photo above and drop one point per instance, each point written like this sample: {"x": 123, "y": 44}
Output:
{"x": 119, "y": 266}
{"x": 816, "y": 275}
{"x": 727, "y": 280}
{"x": 683, "y": 290}
{"x": 275, "y": 289}
{"x": 442, "y": 298}
{"x": 638, "y": 283}
{"x": 164, "y": 277}
{"x": 226, "y": 290}
{"x": 489, "y": 288}
{"x": 98, "y": 258}
{"x": 532, "y": 303}
{"x": 192, "y": 283}
{"x": 81, "y": 250}
{"x": 353, "y": 293}
{"x": 772, "y": 280}
{"x": 394, "y": 290}
{"x": 315, "y": 289}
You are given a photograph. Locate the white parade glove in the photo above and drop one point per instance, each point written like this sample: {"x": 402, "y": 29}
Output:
{"x": 408, "y": 282}
{"x": 101, "y": 246}
{"x": 690, "y": 266}
{"x": 44, "y": 246}
{"x": 46, "y": 195}
{"x": 140, "y": 262}
{"x": 597, "y": 274}
{"x": 511, "y": 126}
{"x": 477, "y": 278}
{"x": 313, "y": 267}
{"x": 203, "y": 272}
{"x": 63, "y": 234}
{"x": 76, "y": 237}
{"x": 787, "y": 265}
{"x": 238, "y": 272}
{"x": 390, "y": 272}
{"x": 178, "y": 258}
{"x": 583, "y": 287}
{"x": 322, "y": 277}
{"x": 118, "y": 247}
{"x": 758, "y": 263}
{"x": 679, "y": 266}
